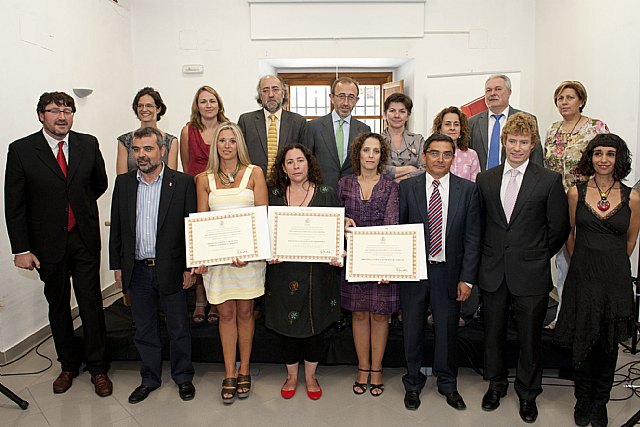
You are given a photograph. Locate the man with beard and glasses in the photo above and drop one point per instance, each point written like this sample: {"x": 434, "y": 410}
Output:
{"x": 147, "y": 252}
{"x": 53, "y": 179}
{"x": 271, "y": 127}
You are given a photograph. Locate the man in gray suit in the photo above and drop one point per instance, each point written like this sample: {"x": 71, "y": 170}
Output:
{"x": 485, "y": 137}
{"x": 332, "y": 152}
{"x": 290, "y": 128}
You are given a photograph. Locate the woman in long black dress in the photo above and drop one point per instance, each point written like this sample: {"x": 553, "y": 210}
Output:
{"x": 301, "y": 298}
{"x": 597, "y": 309}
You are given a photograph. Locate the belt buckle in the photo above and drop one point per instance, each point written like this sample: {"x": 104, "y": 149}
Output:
{"x": 150, "y": 262}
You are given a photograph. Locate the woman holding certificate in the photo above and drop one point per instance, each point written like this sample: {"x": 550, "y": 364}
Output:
{"x": 231, "y": 182}
{"x": 301, "y": 298}
{"x": 370, "y": 199}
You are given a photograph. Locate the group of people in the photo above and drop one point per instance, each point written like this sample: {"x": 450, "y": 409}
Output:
{"x": 496, "y": 205}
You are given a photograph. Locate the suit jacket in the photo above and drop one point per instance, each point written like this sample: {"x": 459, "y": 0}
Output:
{"x": 520, "y": 251}
{"x": 321, "y": 140}
{"x": 293, "y": 129}
{"x": 479, "y": 125}
{"x": 462, "y": 239}
{"x": 37, "y": 195}
{"x": 177, "y": 201}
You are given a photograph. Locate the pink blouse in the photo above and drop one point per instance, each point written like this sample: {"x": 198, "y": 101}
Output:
{"x": 466, "y": 164}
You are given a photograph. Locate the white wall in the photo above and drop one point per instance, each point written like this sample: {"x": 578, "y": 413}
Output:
{"x": 58, "y": 45}
{"x": 118, "y": 50}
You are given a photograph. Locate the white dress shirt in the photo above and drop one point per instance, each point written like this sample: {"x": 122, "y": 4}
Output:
{"x": 53, "y": 143}
{"x": 346, "y": 126}
{"x": 506, "y": 175}
{"x": 444, "y": 195}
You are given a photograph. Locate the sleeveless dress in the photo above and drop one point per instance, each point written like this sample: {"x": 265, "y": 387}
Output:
{"x": 225, "y": 282}
{"x": 597, "y": 302}
{"x": 302, "y": 299}
{"x": 127, "y": 139}
{"x": 382, "y": 208}
{"x": 198, "y": 152}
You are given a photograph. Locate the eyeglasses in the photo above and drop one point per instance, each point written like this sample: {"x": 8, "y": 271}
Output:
{"x": 147, "y": 106}
{"x": 342, "y": 97}
{"x": 275, "y": 90}
{"x": 57, "y": 111}
{"x": 435, "y": 154}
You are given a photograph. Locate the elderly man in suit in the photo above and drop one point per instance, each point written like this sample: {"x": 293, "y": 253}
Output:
{"x": 485, "y": 126}
{"x": 271, "y": 127}
{"x": 330, "y": 137}
{"x": 449, "y": 209}
{"x": 525, "y": 219}
{"x": 53, "y": 179}
{"x": 147, "y": 252}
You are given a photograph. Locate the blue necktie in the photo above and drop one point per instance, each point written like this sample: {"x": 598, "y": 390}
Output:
{"x": 494, "y": 144}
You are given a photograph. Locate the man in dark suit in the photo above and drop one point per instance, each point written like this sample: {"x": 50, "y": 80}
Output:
{"x": 330, "y": 137}
{"x": 485, "y": 137}
{"x": 53, "y": 179}
{"x": 288, "y": 127}
{"x": 525, "y": 222}
{"x": 451, "y": 220}
{"x": 147, "y": 252}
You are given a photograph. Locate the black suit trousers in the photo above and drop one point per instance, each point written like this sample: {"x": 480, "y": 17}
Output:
{"x": 84, "y": 268}
{"x": 528, "y": 314}
{"x": 414, "y": 299}
{"x": 145, "y": 301}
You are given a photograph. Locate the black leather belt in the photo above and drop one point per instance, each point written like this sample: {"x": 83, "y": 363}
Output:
{"x": 435, "y": 262}
{"x": 149, "y": 262}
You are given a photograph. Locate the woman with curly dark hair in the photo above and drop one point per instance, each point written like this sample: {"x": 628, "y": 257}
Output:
{"x": 301, "y": 298}
{"x": 453, "y": 122}
{"x": 597, "y": 309}
{"x": 369, "y": 199}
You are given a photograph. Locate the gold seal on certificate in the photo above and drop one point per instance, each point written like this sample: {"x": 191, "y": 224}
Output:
{"x": 393, "y": 252}
{"x": 219, "y": 237}
{"x": 306, "y": 234}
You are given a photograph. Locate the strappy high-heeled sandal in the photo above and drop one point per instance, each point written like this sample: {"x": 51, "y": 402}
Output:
{"x": 376, "y": 387}
{"x": 361, "y": 386}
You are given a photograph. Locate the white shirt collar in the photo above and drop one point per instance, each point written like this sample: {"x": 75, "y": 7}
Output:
{"x": 504, "y": 112}
{"x": 336, "y": 118}
{"x": 444, "y": 181}
{"x": 522, "y": 168}
{"x": 278, "y": 114}
{"x": 54, "y": 142}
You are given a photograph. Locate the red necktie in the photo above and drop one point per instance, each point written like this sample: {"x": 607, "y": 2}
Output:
{"x": 434, "y": 212}
{"x": 62, "y": 161}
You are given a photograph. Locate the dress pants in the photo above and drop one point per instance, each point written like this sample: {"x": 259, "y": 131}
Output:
{"x": 594, "y": 377}
{"x": 414, "y": 300}
{"x": 528, "y": 314}
{"x": 145, "y": 301}
{"x": 84, "y": 268}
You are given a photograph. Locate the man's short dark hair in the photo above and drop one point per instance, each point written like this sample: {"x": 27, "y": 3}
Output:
{"x": 438, "y": 137}
{"x": 149, "y": 131}
{"x": 61, "y": 99}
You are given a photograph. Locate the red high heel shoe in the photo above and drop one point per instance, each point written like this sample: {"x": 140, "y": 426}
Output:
{"x": 315, "y": 395}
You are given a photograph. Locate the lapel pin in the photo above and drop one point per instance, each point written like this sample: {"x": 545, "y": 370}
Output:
{"x": 170, "y": 184}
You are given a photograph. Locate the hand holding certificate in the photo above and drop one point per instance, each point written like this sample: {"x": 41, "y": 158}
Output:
{"x": 220, "y": 237}
{"x": 306, "y": 234}
{"x": 394, "y": 253}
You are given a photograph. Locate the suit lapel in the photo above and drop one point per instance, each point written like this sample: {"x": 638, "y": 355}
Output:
{"x": 284, "y": 129}
{"x": 529, "y": 183}
{"x": 495, "y": 183}
{"x": 330, "y": 139}
{"x": 76, "y": 154}
{"x": 165, "y": 195}
{"x": 261, "y": 129}
{"x": 132, "y": 199}
{"x": 484, "y": 132}
{"x": 46, "y": 155}
{"x": 454, "y": 201}
{"x": 420, "y": 194}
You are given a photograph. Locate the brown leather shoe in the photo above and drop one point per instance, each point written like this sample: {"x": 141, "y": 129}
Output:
{"x": 103, "y": 385}
{"x": 64, "y": 381}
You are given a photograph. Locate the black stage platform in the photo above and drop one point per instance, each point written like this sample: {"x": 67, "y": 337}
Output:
{"x": 340, "y": 350}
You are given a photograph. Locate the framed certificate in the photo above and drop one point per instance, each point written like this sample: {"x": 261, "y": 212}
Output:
{"x": 306, "y": 234}
{"x": 394, "y": 253}
{"x": 218, "y": 237}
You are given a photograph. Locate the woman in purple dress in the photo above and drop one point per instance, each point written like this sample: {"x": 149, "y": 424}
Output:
{"x": 369, "y": 199}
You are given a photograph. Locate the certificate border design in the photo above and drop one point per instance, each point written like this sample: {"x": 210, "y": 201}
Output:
{"x": 211, "y": 261}
{"x": 337, "y": 253}
{"x": 414, "y": 263}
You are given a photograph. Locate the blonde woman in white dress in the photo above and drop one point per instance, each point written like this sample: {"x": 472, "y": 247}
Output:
{"x": 230, "y": 182}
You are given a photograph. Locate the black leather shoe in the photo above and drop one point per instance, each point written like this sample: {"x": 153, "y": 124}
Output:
{"x": 140, "y": 393}
{"x": 187, "y": 391}
{"x": 582, "y": 412}
{"x": 454, "y": 400}
{"x": 528, "y": 410}
{"x": 491, "y": 399}
{"x": 599, "y": 417}
{"x": 412, "y": 400}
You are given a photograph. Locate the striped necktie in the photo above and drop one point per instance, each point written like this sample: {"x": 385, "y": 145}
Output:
{"x": 434, "y": 212}
{"x": 272, "y": 143}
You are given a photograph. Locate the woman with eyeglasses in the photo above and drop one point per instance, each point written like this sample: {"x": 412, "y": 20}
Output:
{"x": 196, "y": 137}
{"x": 149, "y": 109}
